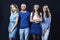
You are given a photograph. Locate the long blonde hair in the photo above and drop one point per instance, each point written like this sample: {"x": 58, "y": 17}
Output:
{"x": 47, "y": 11}
{"x": 17, "y": 10}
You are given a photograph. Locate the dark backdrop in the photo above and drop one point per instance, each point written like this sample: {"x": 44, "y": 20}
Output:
{"x": 54, "y": 6}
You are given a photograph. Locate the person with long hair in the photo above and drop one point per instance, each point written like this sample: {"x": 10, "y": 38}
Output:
{"x": 24, "y": 23}
{"x": 46, "y": 22}
{"x": 36, "y": 19}
{"x": 13, "y": 21}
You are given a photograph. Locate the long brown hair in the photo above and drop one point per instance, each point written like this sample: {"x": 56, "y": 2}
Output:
{"x": 17, "y": 10}
{"x": 47, "y": 11}
{"x": 34, "y": 11}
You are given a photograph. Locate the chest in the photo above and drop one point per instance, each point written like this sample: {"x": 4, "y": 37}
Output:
{"x": 46, "y": 19}
{"x": 12, "y": 17}
{"x": 36, "y": 16}
{"x": 24, "y": 15}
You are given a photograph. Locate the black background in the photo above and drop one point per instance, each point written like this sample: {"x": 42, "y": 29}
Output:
{"x": 54, "y": 6}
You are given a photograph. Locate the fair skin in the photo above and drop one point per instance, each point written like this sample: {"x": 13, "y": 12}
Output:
{"x": 23, "y": 7}
{"x": 37, "y": 20}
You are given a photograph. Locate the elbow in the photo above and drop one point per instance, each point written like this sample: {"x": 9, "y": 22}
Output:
{"x": 16, "y": 23}
{"x": 40, "y": 19}
{"x": 30, "y": 20}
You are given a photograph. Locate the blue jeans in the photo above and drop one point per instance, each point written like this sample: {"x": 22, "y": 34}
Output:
{"x": 45, "y": 36}
{"x": 24, "y": 33}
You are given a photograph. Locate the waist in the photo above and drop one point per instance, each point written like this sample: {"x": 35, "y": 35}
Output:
{"x": 36, "y": 22}
{"x": 24, "y": 23}
{"x": 23, "y": 27}
{"x": 12, "y": 21}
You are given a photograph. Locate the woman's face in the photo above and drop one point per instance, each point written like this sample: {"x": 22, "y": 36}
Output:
{"x": 13, "y": 8}
{"x": 44, "y": 9}
{"x": 36, "y": 7}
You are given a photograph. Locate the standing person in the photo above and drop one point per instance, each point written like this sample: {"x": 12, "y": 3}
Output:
{"x": 24, "y": 23}
{"x": 13, "y": 21}
{"x": 46, "y": 22}
{"x": 36, "y": 18}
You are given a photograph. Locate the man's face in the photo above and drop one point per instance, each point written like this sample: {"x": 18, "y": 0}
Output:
{"x": 23, "y": 7}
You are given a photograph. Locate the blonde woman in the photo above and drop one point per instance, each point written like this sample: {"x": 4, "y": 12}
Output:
{"x": 13, "y": 21}
{"x": 46, "y": 22}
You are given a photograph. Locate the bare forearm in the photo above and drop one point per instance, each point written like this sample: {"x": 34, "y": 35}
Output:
{"x": 39, "y": 20}
{"x": 14, "y": 26}
{"x": 15, "y": 23}
{"x": 32, "y": 21}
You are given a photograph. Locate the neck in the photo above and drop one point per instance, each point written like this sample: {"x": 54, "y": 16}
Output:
{"x": 23, "y": 11}
{"x": 36, "y": 11}
{"x": 13, "y": 12}
{"x": 44, "y": 12}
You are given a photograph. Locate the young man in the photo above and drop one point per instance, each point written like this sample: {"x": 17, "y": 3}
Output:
{"x": 24, "y": 23}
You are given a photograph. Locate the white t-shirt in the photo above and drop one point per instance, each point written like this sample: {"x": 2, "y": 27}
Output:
{"x": 36, "y": 16}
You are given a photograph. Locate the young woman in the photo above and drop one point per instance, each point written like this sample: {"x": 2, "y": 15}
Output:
{"x": 46, "y": 22}
{"x": 24, "y": 22}
{"x": 36, "y": 18}
{"x": 13, "y": 21}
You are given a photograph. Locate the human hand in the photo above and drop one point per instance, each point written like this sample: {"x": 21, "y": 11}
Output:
{"x": 10, "y": 31}
{"x": 45, "y": 31}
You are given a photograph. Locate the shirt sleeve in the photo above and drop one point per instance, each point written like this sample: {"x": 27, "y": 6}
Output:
{"x": 49, "y": 23}
{"x": 31, "y": 14}
{"x": 17, "y": 15}
{"x": 40, "y": 13}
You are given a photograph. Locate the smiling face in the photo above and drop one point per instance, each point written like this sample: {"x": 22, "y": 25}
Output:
{"x": 45, "y": 8}
{"x": 23, "y": 7}
{"x": 13, "y": 8}
{"x": 36, "y": 7}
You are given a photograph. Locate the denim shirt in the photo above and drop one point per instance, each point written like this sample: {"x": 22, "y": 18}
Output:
{"x": 13, "y": 19}
{"x": 46, "y": 23}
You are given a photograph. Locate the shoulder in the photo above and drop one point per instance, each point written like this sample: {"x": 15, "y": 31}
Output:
{"x": 17, "y": 14}
{"x": 27, "y": 12}
{"x": 31, "y": 13}
{"x": 40, "y": 13}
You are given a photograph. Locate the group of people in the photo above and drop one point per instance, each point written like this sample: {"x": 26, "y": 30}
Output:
{"x": 40, "y": 22}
